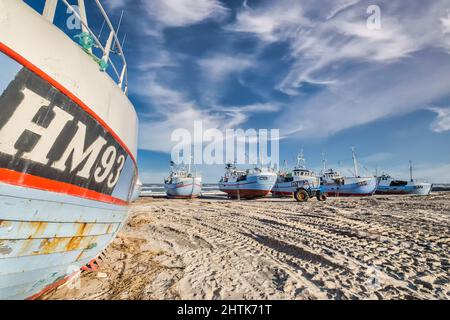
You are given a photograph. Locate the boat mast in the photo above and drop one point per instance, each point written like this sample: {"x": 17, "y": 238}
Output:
{"x": 355, "y": 162}
{"x": 301, "y": 162}
{"x": 411, "y": 171}
{"x": 189, "y": 165}
{"x": 285, "y": 166}
{"x": 324, "y": 162}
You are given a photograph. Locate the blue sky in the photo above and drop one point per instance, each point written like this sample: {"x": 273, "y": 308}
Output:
{"x": 310, "y": 68}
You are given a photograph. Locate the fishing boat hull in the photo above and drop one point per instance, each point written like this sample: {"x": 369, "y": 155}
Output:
{"x": 67, "y": 162}
{"x": 422, "y": 189}
{"x": 356, "y": 187}
{"x": 184, "y": 188}
{"x": 252, "y": 187}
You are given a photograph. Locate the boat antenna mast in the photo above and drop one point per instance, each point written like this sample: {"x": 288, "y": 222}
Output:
{"x": 172, "y": 165}
{"x": 285, "y": 166}
{"x": 411, "y": 171}
{"x": 301, "y": 162}
{"x": 324, "y": 162}
{"x": 355, "y": 162}
{"x": 189, "y": 164}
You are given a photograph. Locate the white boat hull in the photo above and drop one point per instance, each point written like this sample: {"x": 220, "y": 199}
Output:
{"x": 184, "y": 188}
{"x": 253, "y": 187}
{"x": 416, "y": 188}
{"x": 67, "y": 158}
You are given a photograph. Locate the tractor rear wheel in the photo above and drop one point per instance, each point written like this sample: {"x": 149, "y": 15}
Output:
{"x": 301, "y": 195}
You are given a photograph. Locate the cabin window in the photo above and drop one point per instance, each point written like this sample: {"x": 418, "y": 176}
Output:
{"x": 242, "y": 178}
{"x": 398, "y": 183}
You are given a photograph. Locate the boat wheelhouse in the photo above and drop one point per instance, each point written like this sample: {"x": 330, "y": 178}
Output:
{"x": 288, "y": 182}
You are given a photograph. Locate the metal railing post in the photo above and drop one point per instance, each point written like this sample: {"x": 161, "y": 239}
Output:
{"x": 50, "y": 9}
{"x": 108, "y": 45}
{"x": 84, "y": 25}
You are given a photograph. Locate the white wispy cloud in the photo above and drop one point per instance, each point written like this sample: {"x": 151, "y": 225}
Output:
{"x": 377, "y": 157}
{"x": 365, "y": 74}
{"x": 175, "y": 13}
{"x": 442, "y": 122}
{"x": 174, "y": 110}
{"x": 445, "y": 21}
{"x": 219, "y": 66}
{"x": 271, "y": 22}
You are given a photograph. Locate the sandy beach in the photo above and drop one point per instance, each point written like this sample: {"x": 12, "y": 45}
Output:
{"x": 358, "y": 248}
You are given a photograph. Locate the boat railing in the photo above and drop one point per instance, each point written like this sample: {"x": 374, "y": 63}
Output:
{"x": 87, "y": 35}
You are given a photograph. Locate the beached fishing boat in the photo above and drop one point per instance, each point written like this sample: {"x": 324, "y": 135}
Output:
{"x": 182, "y": 183}
{"x": 334, "y": 184}
{"x": 67, "y": 157}
{"x": 288, "y": 182}
{"x": 389, "y": 185}
{"x": 247, "y": 184}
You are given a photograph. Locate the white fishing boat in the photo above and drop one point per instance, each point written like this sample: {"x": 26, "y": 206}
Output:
{"x": 182, "y": 183}
{"x": 388, "y": 185}
{"x": 334, "y": 184}
{"x": 248, "y": 184}
{"x": 288, "y": 182}
{"x": 67, "y": 157}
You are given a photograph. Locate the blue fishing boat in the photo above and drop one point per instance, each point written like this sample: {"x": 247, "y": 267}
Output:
{"x": 248, "y": 184}
{"x": 388, "y": 185}
{"x": 334, "y": 184}
{"x": 67, "y": 157}
{"x": 182, "y": 183}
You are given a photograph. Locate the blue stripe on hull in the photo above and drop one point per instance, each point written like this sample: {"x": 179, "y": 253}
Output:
{"x": 44, "y": 236}
{"x": 46, "y": 206}
{"x": 252, "y": 183}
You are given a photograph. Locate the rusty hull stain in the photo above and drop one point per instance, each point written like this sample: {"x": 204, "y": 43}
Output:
{"x": 39, "y": 228}
{"x": 81, "y": 240}
{"x": 4, "y": 223}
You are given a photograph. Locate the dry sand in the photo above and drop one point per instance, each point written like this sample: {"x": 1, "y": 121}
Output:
{"x": 360, "y": 248}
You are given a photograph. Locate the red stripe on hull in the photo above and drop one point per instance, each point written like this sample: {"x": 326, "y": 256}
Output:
{"x": 392, "y": 192}
{"x": 248, "y": 194}
{"x": 334, "y": 194}
{"x": 30, "y": 181}
{"x": 282, "y": 194}
{"x": 54, "y": 285}
{"x": 27, "y": 64}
